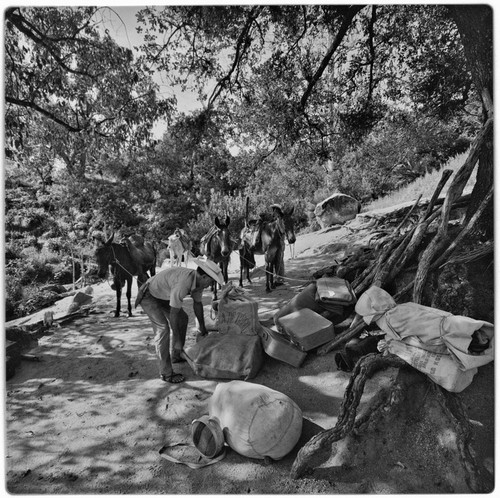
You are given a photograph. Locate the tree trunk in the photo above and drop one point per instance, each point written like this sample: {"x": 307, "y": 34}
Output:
{"x": 475, "y": 25}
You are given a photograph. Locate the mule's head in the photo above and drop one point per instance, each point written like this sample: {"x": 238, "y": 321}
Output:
{"x": 103, "y": 255}
{"x": 224, "y": 236}
{"x": 288, "y": 222}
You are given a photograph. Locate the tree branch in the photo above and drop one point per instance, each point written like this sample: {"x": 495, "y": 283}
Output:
{"x": 241, "y": 45}
{"x": 455, "y": 190}
{"x": 344, "y": 27}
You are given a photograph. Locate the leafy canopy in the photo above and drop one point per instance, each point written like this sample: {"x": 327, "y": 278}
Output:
{"x": 67, "y": 79}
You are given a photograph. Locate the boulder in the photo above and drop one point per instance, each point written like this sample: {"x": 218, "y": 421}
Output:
{"x": 336, "y": 210}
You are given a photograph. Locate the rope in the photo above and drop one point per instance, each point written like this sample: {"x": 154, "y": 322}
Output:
{"x": 234, "y": 250}
{"x": 119, "y": 264}
{"x": 270, "y": 273}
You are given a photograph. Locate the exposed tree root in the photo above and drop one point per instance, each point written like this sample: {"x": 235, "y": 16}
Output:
{"x": 406, "y": 422}
{"x": 321, "y": 443}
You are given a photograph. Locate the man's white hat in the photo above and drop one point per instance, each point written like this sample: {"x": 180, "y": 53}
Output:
{"x": 211, "y": 269}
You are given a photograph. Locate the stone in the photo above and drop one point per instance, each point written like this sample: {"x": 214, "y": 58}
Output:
{"x": 336, "y": 210}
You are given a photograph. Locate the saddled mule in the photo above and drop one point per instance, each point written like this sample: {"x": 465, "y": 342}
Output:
{"x": 179, "y": 246}
{"x": 132, "y": 257}
{"x": 267, "y": 236}
{"x": 216, "y": 245}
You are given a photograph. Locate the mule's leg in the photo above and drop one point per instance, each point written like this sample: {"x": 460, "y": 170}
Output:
{"x": 129, "y": 295}
{"x": 241, "y": 273}
{"x": 142, "y": 276}
{"x": 118, "y": 290}
{"x": 152, "y": 269}
{"x": 270, "y": 267}
{"x": 223, "y": 268}
{"x": 214, "y": 290}
{"x": 248, "y": 260}
{"x": 269, "y": 277}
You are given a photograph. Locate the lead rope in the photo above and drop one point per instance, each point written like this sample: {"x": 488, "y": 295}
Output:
{"x": 265, "y": 271}
{"x": 119, "y": 264}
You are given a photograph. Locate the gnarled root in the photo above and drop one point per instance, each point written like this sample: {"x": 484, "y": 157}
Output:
{"x": 317, "y": 448}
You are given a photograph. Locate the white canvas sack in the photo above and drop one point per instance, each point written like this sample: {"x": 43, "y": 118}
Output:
{"x": 430, "y": 328}
{"x": 257, "y": 421}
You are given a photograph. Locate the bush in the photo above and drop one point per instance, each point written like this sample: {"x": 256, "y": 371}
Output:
{"x": 398, "y": 150}
{"x": 13, "y": 297}
{"x": 34, "y": 300}
{"x": 41, "y": 256}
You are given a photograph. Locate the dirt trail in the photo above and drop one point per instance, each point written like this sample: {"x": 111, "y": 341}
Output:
{"x": 92, "y": 416}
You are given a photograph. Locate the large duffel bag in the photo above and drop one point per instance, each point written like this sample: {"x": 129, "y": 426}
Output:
{"x": 226, "y": 356}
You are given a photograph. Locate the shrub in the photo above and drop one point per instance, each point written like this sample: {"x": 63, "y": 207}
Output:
{"x": 34, "y": 299}
{"x": 13, "y": 297}
{"x": 398, "y": 150}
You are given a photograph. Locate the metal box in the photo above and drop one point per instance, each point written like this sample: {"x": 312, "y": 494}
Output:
{"x": 280, "y": 348}
{"x": 307, "y": 328}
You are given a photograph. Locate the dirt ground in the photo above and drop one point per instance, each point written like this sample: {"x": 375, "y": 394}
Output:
{"x": 91, "y": 417}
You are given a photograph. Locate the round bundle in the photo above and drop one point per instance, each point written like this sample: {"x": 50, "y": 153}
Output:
{"x": 257, "y": 421}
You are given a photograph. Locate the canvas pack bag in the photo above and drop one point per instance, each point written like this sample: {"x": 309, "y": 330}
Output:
{"x": 226, "y": 356}
{"x": 440, "y": 368}
{"x": 237, "y": 313}
{"x": 256, "y": 421}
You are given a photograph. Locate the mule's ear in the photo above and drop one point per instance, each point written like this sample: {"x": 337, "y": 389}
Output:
{"x": 217, "y": 222}
{"x": 98, "y": 242}
{"x": 228, "y": 219}
{"x": 108, "y": 242}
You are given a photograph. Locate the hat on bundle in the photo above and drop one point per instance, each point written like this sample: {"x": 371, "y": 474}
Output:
{"x": 374, "y": 303}
{"x": 211, "y": 269}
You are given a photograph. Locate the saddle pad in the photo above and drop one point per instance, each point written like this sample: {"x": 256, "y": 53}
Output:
{"x": 335, "y": 290}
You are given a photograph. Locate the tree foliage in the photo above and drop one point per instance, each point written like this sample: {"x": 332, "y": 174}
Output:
{"x": 323, "y": 78}
{"x": 68, "y": 81}
{"x": 310, "y": 74}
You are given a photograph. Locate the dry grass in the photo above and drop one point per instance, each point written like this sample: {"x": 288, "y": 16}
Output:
{"x": 424, "y": 186}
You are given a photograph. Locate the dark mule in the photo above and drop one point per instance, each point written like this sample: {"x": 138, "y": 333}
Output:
{"x": 267, "y": 236}
{"x": 217, "y": 246}
{"x": 132, "y": 257}
{"x": 247, "y": 258}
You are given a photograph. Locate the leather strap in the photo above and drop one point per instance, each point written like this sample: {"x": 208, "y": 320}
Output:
{"x": 192, "y": 465}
